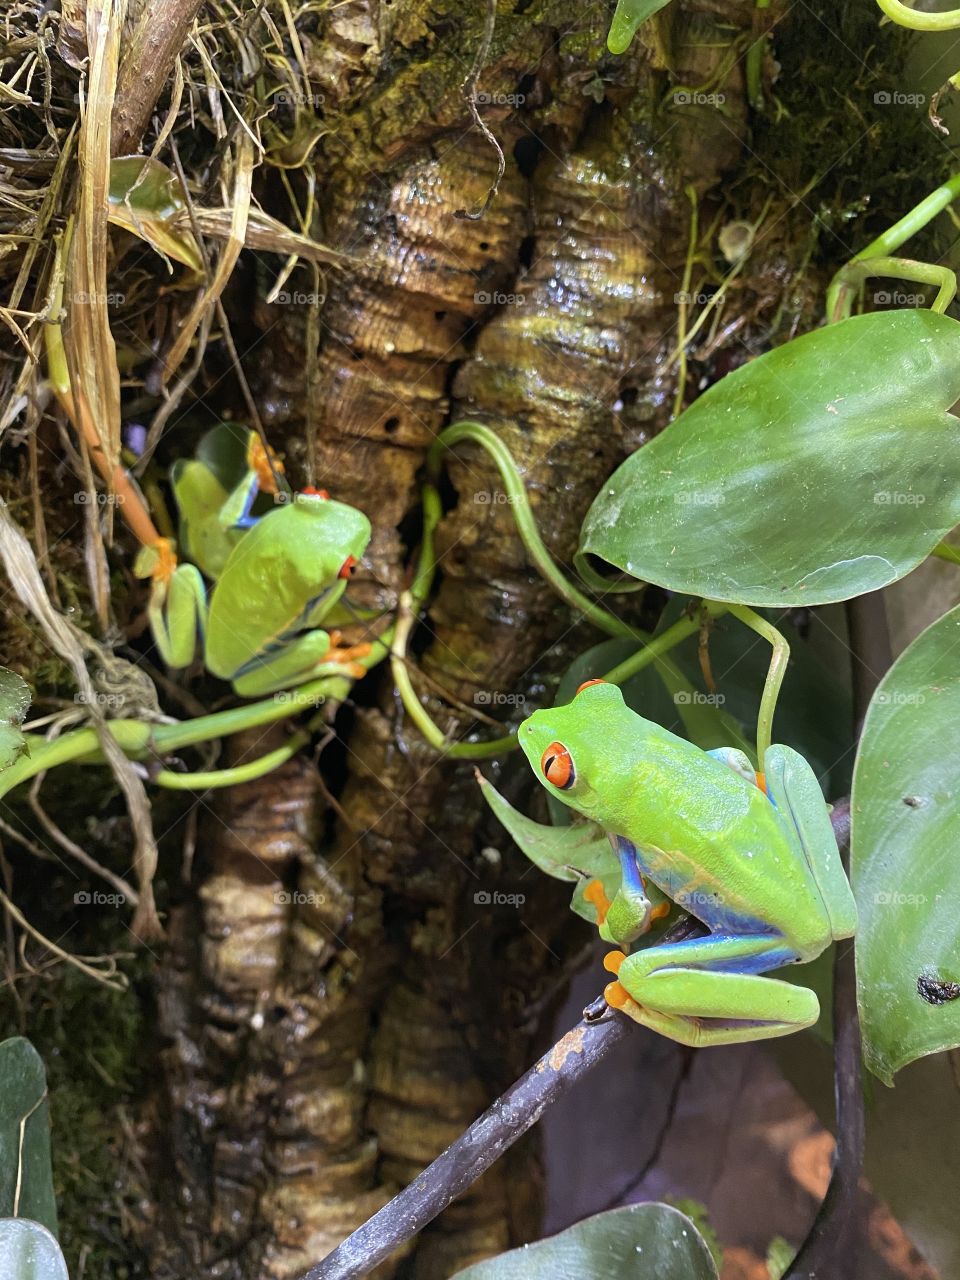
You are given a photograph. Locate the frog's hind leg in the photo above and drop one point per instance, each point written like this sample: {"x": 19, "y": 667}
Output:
{"x": 305, "y": 658}
{"x": 794, "y": 789}
{"x": 710, "y": 990}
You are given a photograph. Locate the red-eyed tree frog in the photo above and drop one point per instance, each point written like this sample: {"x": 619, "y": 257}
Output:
{"x": 751, "y": 856}
{"x": 278, "y": 576}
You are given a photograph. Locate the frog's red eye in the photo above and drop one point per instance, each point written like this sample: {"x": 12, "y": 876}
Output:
{"x": 348, "y": 568}
{"x": 586, "y": 685}
{"x": 556, "y": 765}
{"x": 311, "y": 492}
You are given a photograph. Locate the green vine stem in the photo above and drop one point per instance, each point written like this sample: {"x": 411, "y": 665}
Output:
{"x": 890, "y": 240}
{"x": 918, "y": 20}
{"x": 650, "y": 649}
{"x": 848, "y": 280}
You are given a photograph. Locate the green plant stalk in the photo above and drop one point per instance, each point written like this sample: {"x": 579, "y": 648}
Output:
{"x": 944, "y": 551}
{"x": 651, "y": 650}
{"x": 754, "y": 62}
{"x": 775, "y": 672}
{"x": 848, "y": 280}
{"x": 918, "y": 20}
{"x": 890, "y": 240}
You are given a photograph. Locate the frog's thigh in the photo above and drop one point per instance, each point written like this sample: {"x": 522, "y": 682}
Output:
{"x": 719, "y": 978}
{"x": 178, "y": 620}
{"x": 290, "y": 665}
{"x": 793, "y": 787}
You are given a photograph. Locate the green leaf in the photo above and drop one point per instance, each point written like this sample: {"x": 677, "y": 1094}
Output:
{"x": 25, "y": 1136}
{"x": 147, "y": 199}
{"x": 624, "y": 1244}
{"x": 821, "y": 470}
{"x": 627, "y": 18}
{"x": 29, "y": 1252}
{"x": 904, "y": 839}
{"x": 14, "y": 704}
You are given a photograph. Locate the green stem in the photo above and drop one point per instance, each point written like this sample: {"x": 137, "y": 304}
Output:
{"x": 775, "y": 673}
{"x": 945, "y": 551}
{"x": 890, "y": 240}
{"x": 754, "y": 64}
{"x": 652, "y": 650}
{"x": 212, "y": 779}
{"x": 918, "y": 20}
{"x": 661, "y": 644}
{"x": 848, "y": 280}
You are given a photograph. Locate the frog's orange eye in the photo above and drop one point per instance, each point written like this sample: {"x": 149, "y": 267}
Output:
{"x": 556, "y": 765}
{"x": 311, "y": 492}
{"x": 348, "y": 568}
{"x": 586, "y": 685}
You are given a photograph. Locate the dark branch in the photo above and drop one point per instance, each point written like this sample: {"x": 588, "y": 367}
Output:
{"x": 475, "y": 1150}
{"x": 148, "y": 57}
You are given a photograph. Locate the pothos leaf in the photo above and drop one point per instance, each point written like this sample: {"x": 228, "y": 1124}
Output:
{"x": 623, "y": 1244}
{"x": 14, "y": 703}
{"x": 26, "y": 1178}
{"x": 29, "y": 1252}
{"x": 627, "y": 18}
{"x": 904, "y": 834}
{"x": 821, "y": 470}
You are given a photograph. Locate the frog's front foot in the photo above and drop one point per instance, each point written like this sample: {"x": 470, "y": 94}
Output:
{"x": 349, "y": 656}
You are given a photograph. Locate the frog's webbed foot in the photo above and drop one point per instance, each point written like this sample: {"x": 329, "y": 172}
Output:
{"x": 350, "y": 656}
{"x": 709, "y": 990}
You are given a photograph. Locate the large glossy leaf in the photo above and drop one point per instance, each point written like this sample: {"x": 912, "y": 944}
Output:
{"x": 14, "y": 703}
{"x": 638, "y": 1241}
{"x": 29, "y": 1252}
{"x": 821, "y": 470}
{"x": 904, "y": 841}
{"x": 26, "y": 1179}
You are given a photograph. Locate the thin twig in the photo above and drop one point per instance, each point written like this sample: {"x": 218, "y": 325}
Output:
{"x": 470, "y": 93}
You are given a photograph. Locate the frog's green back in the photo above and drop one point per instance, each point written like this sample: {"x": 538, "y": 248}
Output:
{"x": 281, "y": 577}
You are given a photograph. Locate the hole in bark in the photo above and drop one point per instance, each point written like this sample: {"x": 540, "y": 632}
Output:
{"x": 439, "y": 315}
{"x": 391, "y": 425}
{"x": 526, "y": 152}
{"x": 525, "y": 253}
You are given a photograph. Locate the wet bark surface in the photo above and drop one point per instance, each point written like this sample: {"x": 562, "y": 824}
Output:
{"x": 345, "y": 992}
